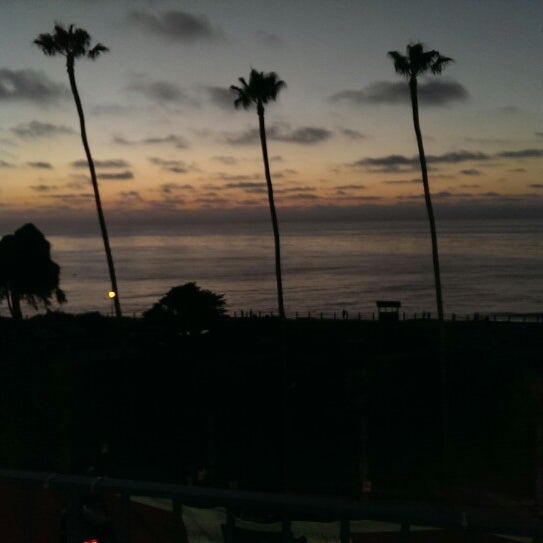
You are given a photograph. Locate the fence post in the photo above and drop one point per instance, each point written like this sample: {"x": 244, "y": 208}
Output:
{"x": 230, "y": 525}
{"x": 345, "y": 531}
{"x": 405, "y": 532}
{"x": 177, "y": 510}
{"x": 73, "y": 513}
{"x": 125, "y": 518}
{"x": 286, "y": 535}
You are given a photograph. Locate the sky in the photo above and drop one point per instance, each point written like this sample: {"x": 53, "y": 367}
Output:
{"x": 170, "y": 147}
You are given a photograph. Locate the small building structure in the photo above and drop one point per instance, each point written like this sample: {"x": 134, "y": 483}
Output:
{"x": 389, "y": 310}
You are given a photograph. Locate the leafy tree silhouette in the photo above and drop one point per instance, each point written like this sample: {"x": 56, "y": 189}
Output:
{"x": 27, "y": 271}
{"x": 261, "y": 89}
{"x": 74, "y": 43}
{"x": 190, "y": 307}
{"x": 418, "y": 62}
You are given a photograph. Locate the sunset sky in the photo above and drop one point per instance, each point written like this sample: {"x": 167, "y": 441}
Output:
{"x": 169, "y": 144}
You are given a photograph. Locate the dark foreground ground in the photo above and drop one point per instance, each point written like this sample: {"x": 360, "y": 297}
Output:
{"x": 357, "y": 402}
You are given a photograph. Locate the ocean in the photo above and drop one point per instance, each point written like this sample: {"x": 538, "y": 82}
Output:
{"x": 487, "y": 266}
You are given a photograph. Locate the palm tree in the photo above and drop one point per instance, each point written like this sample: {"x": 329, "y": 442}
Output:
{"x": 74, "y": 43}
{"x": 261, "y": 89}
{"x": 418, "y": 62}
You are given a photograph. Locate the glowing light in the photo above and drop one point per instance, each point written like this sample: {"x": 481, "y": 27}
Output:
{"x": 111, "y": 294}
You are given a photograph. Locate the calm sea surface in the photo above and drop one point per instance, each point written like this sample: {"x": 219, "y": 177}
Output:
{"x": 487, "y": 266}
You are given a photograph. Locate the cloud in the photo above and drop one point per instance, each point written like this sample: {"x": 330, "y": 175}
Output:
{"x": 131, "y": 194}
{"x": 113, "y": 163}
{"x": 509, "y": 110}
{"x": 471, "y": 171}
{"x": 176, "y": 25}
{"x": 398, "y": 163}
{"x": 414, "y": 181}
{"x": 221, "y": 97}
{"x": 43, "y": 188}
{"x": 174, "y": 166}
{"x": 350, "y": 187}
{"x": 352, "y": 134}
{"x": 474, "y": 186}
{"x": 169, "y": 188}
{"x": 540, "y": 134}
{"x": 72, "y": 198}
{"x": 163, "y": 93}
{"x": 112, "y": 109}
{"x": 116, "y": 176}
{"x": 243, "y": 185}
{"x": 177, "y": 141}
{"x": 432, "y": 93}
{"x": 303, "y": 196}
{"x": 37, "y": 129}
{"x": 211, "y": 202}
{"x": 29, "y": 86}
{"x": 536, "y": 185}
{"x": 294, "y": 190}
{"x": 227, "y": 160}
{"x": 306, "y": 135}
{"x": 269, "y": 39}
{"x": 523, "y": 153}
{"x": 40, "y": 165}
{"x": 4, "y": 164}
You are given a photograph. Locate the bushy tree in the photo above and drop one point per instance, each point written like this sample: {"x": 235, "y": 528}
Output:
{"x": 27, "y": 271}
{"x": 190, "y": 307}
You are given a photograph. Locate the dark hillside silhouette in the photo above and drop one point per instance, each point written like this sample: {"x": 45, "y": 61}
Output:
{"x": 418, "y": 62}
{"x": 74, "y": 43}
{"x": 27, "y": 271}
{"x": 261, "y": 89}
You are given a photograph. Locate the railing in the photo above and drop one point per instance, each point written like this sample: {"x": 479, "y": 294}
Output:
{"x": 373, "y": 316}
{"x": 287, "y": 508}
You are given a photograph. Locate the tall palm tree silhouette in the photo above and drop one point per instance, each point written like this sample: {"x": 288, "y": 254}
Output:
{"x": 74, "y": 43}
{"x": 261, "y": 89}
{"x": 418, "y": 62}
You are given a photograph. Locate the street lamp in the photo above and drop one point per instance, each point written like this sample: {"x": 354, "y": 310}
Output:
{"x": 111, "y": 295}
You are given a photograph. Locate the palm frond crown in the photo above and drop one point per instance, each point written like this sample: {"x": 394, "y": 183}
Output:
{"x": 417, "y": 61}
{"x": 71, "y": 42}
{"x": 261, "y": 89}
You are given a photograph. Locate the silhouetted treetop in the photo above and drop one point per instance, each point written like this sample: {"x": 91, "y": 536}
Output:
{"x": 417, "y": 61}
{"x": 261, "y": 88}
{"x": 27, "y": 271}
{"x": 190, "y": 307}
{"x": 72, "y": 43}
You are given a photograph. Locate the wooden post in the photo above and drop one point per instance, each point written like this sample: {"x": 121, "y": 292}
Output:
{"x": 73, "y": 516}
{"x": 406, "y": 532}
{"x": 345, "y": 531}
{"x": 230, "y": 526}
{"x": 177, "y": 510}
{"x": 125, "y": 518}
{"x": 286, "y": 535}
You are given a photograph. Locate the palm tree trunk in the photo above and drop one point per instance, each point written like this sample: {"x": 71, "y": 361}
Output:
{"x": 437, "y": 279}
{"x": 101, "y": 219}
{"x": 260, "y": 111}
{"x": 429, "y": 209}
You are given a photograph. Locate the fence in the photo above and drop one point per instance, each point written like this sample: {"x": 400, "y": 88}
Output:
{"x": 286, "y": 508}
{"x": 372, "y": 316}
